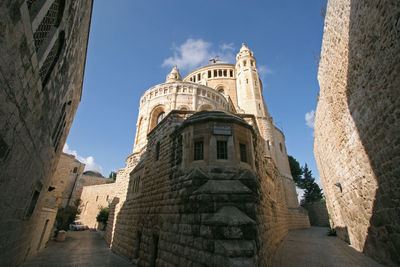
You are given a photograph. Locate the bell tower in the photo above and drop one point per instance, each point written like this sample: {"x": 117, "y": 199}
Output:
{"x": 249, "y": 88}
{"x": 250, "y": 98}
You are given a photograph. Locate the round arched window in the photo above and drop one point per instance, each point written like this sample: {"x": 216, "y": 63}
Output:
{"x": 160, "y": 117}
{"x": 221, "y": 91}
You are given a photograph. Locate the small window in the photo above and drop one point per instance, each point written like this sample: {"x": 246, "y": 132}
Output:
{"x": 75, "y": 170}
{"x": 157, "y": 155}
{"x": 244, "y": 63}
{"x": 269, "y": 148}
{"x": 280, "y": 146}
{"x": 215, "y": 73}
{"x": 225, "y": 73}
{"x": 222, "y": 150}
{"x": 160, "y": 117}
{"x": 209, "y": 74}
{"x": 97, "y": 198}
{"x": 107, "y": 198}
{"x": 198, "y": 77}
{"x": 243, "y": 152}
{"x": 247, "y": 81}
{"x": 32, "y": 204}
{"x": 138, "y": 240}
{"x": 220, "y": 73}
{"x": 198, "y": 150}
{"x": 231, "y": 73}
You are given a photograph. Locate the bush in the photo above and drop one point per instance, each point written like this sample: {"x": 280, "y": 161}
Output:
{"x": 102, "y": 217}
{"x": 66, "y": 216}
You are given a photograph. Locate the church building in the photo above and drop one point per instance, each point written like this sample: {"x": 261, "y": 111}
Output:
{"x": 208, "y": 182}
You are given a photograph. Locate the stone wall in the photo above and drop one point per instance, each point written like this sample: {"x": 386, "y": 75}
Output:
{"x": 76, "y": 172}
{"x": 209, "y": 212}
{"x": 93, "y": 199}
{"x": 357, "y": 125}
{"x": 40, "y": 89}
{"x": 85, "y": 180}
{"x": 318, "y": 213}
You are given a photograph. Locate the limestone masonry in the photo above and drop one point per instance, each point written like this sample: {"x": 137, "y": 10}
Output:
{"x": 43, "y": 50}
{"x": 357, "y": 124}
{"x": 208, "y": 182}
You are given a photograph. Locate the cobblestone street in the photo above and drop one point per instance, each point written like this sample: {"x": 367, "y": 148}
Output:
{"x": 314, "y": 248}
{"x": 79, "y": 249}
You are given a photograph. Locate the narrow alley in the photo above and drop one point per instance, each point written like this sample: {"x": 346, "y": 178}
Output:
{"x": 313, "y": 247}
{"x": 80, "y": 249}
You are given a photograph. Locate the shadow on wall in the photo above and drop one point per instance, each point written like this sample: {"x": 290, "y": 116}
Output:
{"x": 374, "y": 103}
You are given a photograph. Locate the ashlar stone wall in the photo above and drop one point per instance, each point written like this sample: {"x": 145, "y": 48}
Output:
{"x": 93, "y": 199}
{"x": 357, "y": 125}
{"x": 206, "y": 212}
{"x": 41, "y": 79}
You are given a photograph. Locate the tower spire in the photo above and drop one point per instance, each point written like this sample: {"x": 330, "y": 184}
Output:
{"x": 173, "y": 76}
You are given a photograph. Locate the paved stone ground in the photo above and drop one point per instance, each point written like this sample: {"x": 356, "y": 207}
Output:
{"x": 79, "y": 249}
{"x": 312, "y": 247}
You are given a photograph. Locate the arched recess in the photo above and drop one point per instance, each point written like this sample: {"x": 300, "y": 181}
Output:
{"x": 138, "y": 130}
{"x": 206, "y": 107}
{"x": 183, "y": 107}
{"x": 157, "y": 114}
{"x": 220, "y": 89}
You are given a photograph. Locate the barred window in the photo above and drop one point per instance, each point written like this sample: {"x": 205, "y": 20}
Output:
{"x": 198, "y": 150}
{"x": 243, "y": 152}
{"x": 52, "y": 18}
{"x": 222, "y": 150}
{"x": 51, "y": 59}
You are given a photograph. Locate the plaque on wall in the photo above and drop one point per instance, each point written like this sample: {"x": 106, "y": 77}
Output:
{"x": 222, "y": 130}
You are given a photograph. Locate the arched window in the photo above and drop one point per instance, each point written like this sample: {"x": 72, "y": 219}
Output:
{"x": 157, "y": 115}
{"x": 160, "y": 117}
{"x": 221, "y": 91}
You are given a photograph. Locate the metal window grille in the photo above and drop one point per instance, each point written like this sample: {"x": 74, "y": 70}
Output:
{"x": 198, "y": 150}
{"x": 222, "y": 150}
{"x": 51, "y": 59}
{"x": 243, "y": 152}
{"x": 49, "y": 20}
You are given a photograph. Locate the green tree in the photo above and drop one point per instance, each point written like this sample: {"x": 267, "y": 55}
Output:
{"x": 312, "y": 192}
{"x": 103, "y": 215}
{"x": 296, "y": 170}
{"x": 66, "y": 216}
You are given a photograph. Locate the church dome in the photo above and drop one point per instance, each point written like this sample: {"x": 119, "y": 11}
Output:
{"x": 93, "y": 173}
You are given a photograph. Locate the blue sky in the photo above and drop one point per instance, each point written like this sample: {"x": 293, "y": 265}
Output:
{"x": 133, "y": 43}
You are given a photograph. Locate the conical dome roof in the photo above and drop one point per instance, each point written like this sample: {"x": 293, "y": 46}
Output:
{"x": 173, "y": 76}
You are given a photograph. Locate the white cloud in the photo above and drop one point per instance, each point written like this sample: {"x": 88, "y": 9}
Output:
{"x": 226, "y": 46}
{"x": 190, "y": 54}
{"x": 89, "y": 161}
{"x": 264, "y": 70}
{"x": 195, "y": 52}
{"x": 310, "y": 118}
